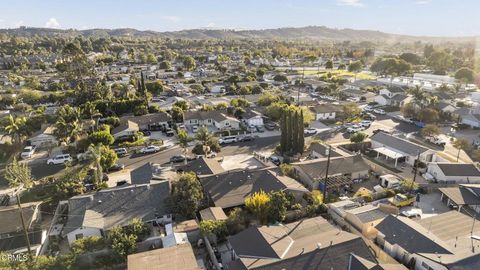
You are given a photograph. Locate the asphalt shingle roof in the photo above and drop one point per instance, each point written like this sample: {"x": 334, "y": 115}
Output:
{"x": 399, "y": 144}
{"x": 456, "y": 169}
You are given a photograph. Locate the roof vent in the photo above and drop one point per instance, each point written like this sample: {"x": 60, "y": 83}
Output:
{"x": 319, "y": 246}
{"x": 99, "y": 201}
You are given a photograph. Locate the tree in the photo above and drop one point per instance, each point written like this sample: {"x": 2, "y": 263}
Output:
{"x": 428, "y": 115}
{"x": 138, "y": 228}
{"x": 214, "y": 227}
{"x": 280, "y": 78}
{"x": 411, "y": 58}
{"x": 329, "y": 64}
{"x": 408, "y": 110}
{"x": 461, "y": 144}
{"x": 351, "y": 110}
{"x": 17, "y": 174}
{"x": 177, "y": 114}
{"x": 267, "y": 98}
{"x": 464, "y": 74}
{"x": 409, "y": 185}
{"x": 165, "y": 65}
{"x": 88, "y": 244}
{"x": 183, "y": 140}
{"x": 101, "y": 137}
{"x": 122, "y": 244}
{"x": 258, "y": 204}
{"x": 187, "y": 195}
{"x": 16, "y": 128}
{"x": 189, "y": 63}
{"x": 278, "y": 206}
{"x": 430, "y": 130}
{"x": 151, "y": 59}
{"x": 440, "y": 62}
{"x": 419, "y": 96}
{"x": 355, "y": 67}
{"x": 68, "y": 125}
{"x": 358, "y": 137}
{"x": 70, "y": 183}
{"x": 108, "y": 157}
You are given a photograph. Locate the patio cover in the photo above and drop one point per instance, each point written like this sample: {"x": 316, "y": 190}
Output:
{"x": 389, "y": 152}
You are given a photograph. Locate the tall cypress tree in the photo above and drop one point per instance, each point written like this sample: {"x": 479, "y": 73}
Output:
{"x": 294, "y": 131}
{"x": 283, "y": 129}
{"x": 301, "y": 138}
{"x": 288, "y": 132}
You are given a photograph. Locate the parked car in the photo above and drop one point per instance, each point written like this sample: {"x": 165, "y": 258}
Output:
{"x": 146, "y": 132}
{"x": 27, "y": 152}
{"x": 275, "y": 160}
{"x": 412, "y": 213}
{"x": 355, "y": 129}
{"x": 150, "y": 149}
{"x": 436, "y": 140}
{"x": 270, "y": 126}
{"x": 245, "y": 138}
{"x": 368, "y": 108}
{"x": 194, "y": 129}
{"x": 260, "y": 129}
{"x": 169, "y": 132}
{"x": 177, "y": 158}
{"x": 121, "y": 152}
{"x": 227, "y": 139}
{"x": 59, "y": 159}
{"x": 366, "y": 123}
{"x": 403, "y": 119}
{"x": 116, "y": 167}
{"x": 369, "y": 116}
{"x": 310, "y": 131}
{"x": 379, "y": 111}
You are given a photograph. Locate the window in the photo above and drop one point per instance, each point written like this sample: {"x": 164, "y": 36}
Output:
{"x": 78, "y": 236}
{"x": 426, "y": 266}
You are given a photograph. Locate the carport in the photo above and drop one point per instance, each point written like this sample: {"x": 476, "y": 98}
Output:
{"x": 389, "y": 153}
{"x": 459, "y": 197}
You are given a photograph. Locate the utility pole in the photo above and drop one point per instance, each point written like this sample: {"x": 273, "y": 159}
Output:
{"x": 329, "y": 150}
{"x": 24, "y": 228}
{"x": 416, "y": 166}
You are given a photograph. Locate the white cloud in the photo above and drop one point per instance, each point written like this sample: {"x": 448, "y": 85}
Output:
{"x": 353, "y": 3}
{"x": 422, "y": 2}
{"x": 52, "y": 23}
{"x": 18, "y": 24}
{"x": 171, "y": 18}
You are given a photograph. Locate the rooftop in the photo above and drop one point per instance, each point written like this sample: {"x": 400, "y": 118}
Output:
{"x": 398, "y": 143}
{"x": 178, "y": 257}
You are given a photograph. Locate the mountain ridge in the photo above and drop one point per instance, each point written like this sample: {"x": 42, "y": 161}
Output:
{"x": 314, "y": 33}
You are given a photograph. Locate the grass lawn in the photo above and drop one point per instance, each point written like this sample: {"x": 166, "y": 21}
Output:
{"x": 340, "y": 73}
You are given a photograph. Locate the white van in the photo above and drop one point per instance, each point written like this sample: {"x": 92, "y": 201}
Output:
{"x": 389, "y": 181}
{"x": 59, "y": 159}
{"x": 227, "y": 139}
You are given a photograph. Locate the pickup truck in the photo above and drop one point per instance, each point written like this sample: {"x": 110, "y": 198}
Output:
{"x": 401, "y": 200}
{"x": 436, "y": 140}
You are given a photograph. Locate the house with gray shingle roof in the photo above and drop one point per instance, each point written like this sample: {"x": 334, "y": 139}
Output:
{"x": 455, "y": 173}
{"x": 400, "y": 150}
{"x": 97, "y": 213}
{"x": 213, "y": 119}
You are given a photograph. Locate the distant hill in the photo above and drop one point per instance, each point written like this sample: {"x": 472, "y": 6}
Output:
{"x": 316, "y": 33}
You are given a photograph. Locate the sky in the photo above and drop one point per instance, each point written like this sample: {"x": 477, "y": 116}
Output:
{"x": 412, "y": 17}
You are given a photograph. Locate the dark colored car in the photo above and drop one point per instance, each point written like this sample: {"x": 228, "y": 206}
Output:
{"x": 275, "y": 160}
{"x": 146, "y": 132}
{"x": 116, "y": 167}
{"x": 270, "y": 126}
{"x": 247, "y": 138}
{"x": 176, "y": 159}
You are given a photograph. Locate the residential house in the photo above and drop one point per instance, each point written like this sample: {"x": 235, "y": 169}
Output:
{"x": 462, "y": 195}
{"x": 44, "y": 138}
{"x": 400, "y": 150}
{"x": 179, "y": 257}
{"x": 231, "y": 188}
{"x": 126, "y": 128}
{"x": 213, "y": 213}
{"x": 202, "y": 166}
{"x": 217, "y": 88}
{"x": 454, "y": 173}
{"x": 327, "y": 111}
{"x": 306, "y": 244}
{"x": 388, "y": 96}
{"x": 218, "y": 120}
{"x": 252, "y": 118}
{"x": 97, "y": 213}
{"x": 341, "y": 171}
{"x": 318, "y": 150}
{"x": 149, "y": 121}
{"x": 12, "y": 237}
{"x": 431, "y": 243}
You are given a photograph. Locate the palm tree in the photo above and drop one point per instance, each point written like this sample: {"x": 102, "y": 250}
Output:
{"x": 418, "y": 95}
{"x": 96, "y": 156}
{"x": 205, "y": 137}
{"x": 16, "y": 128}
{"x": 183, "y": 140}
